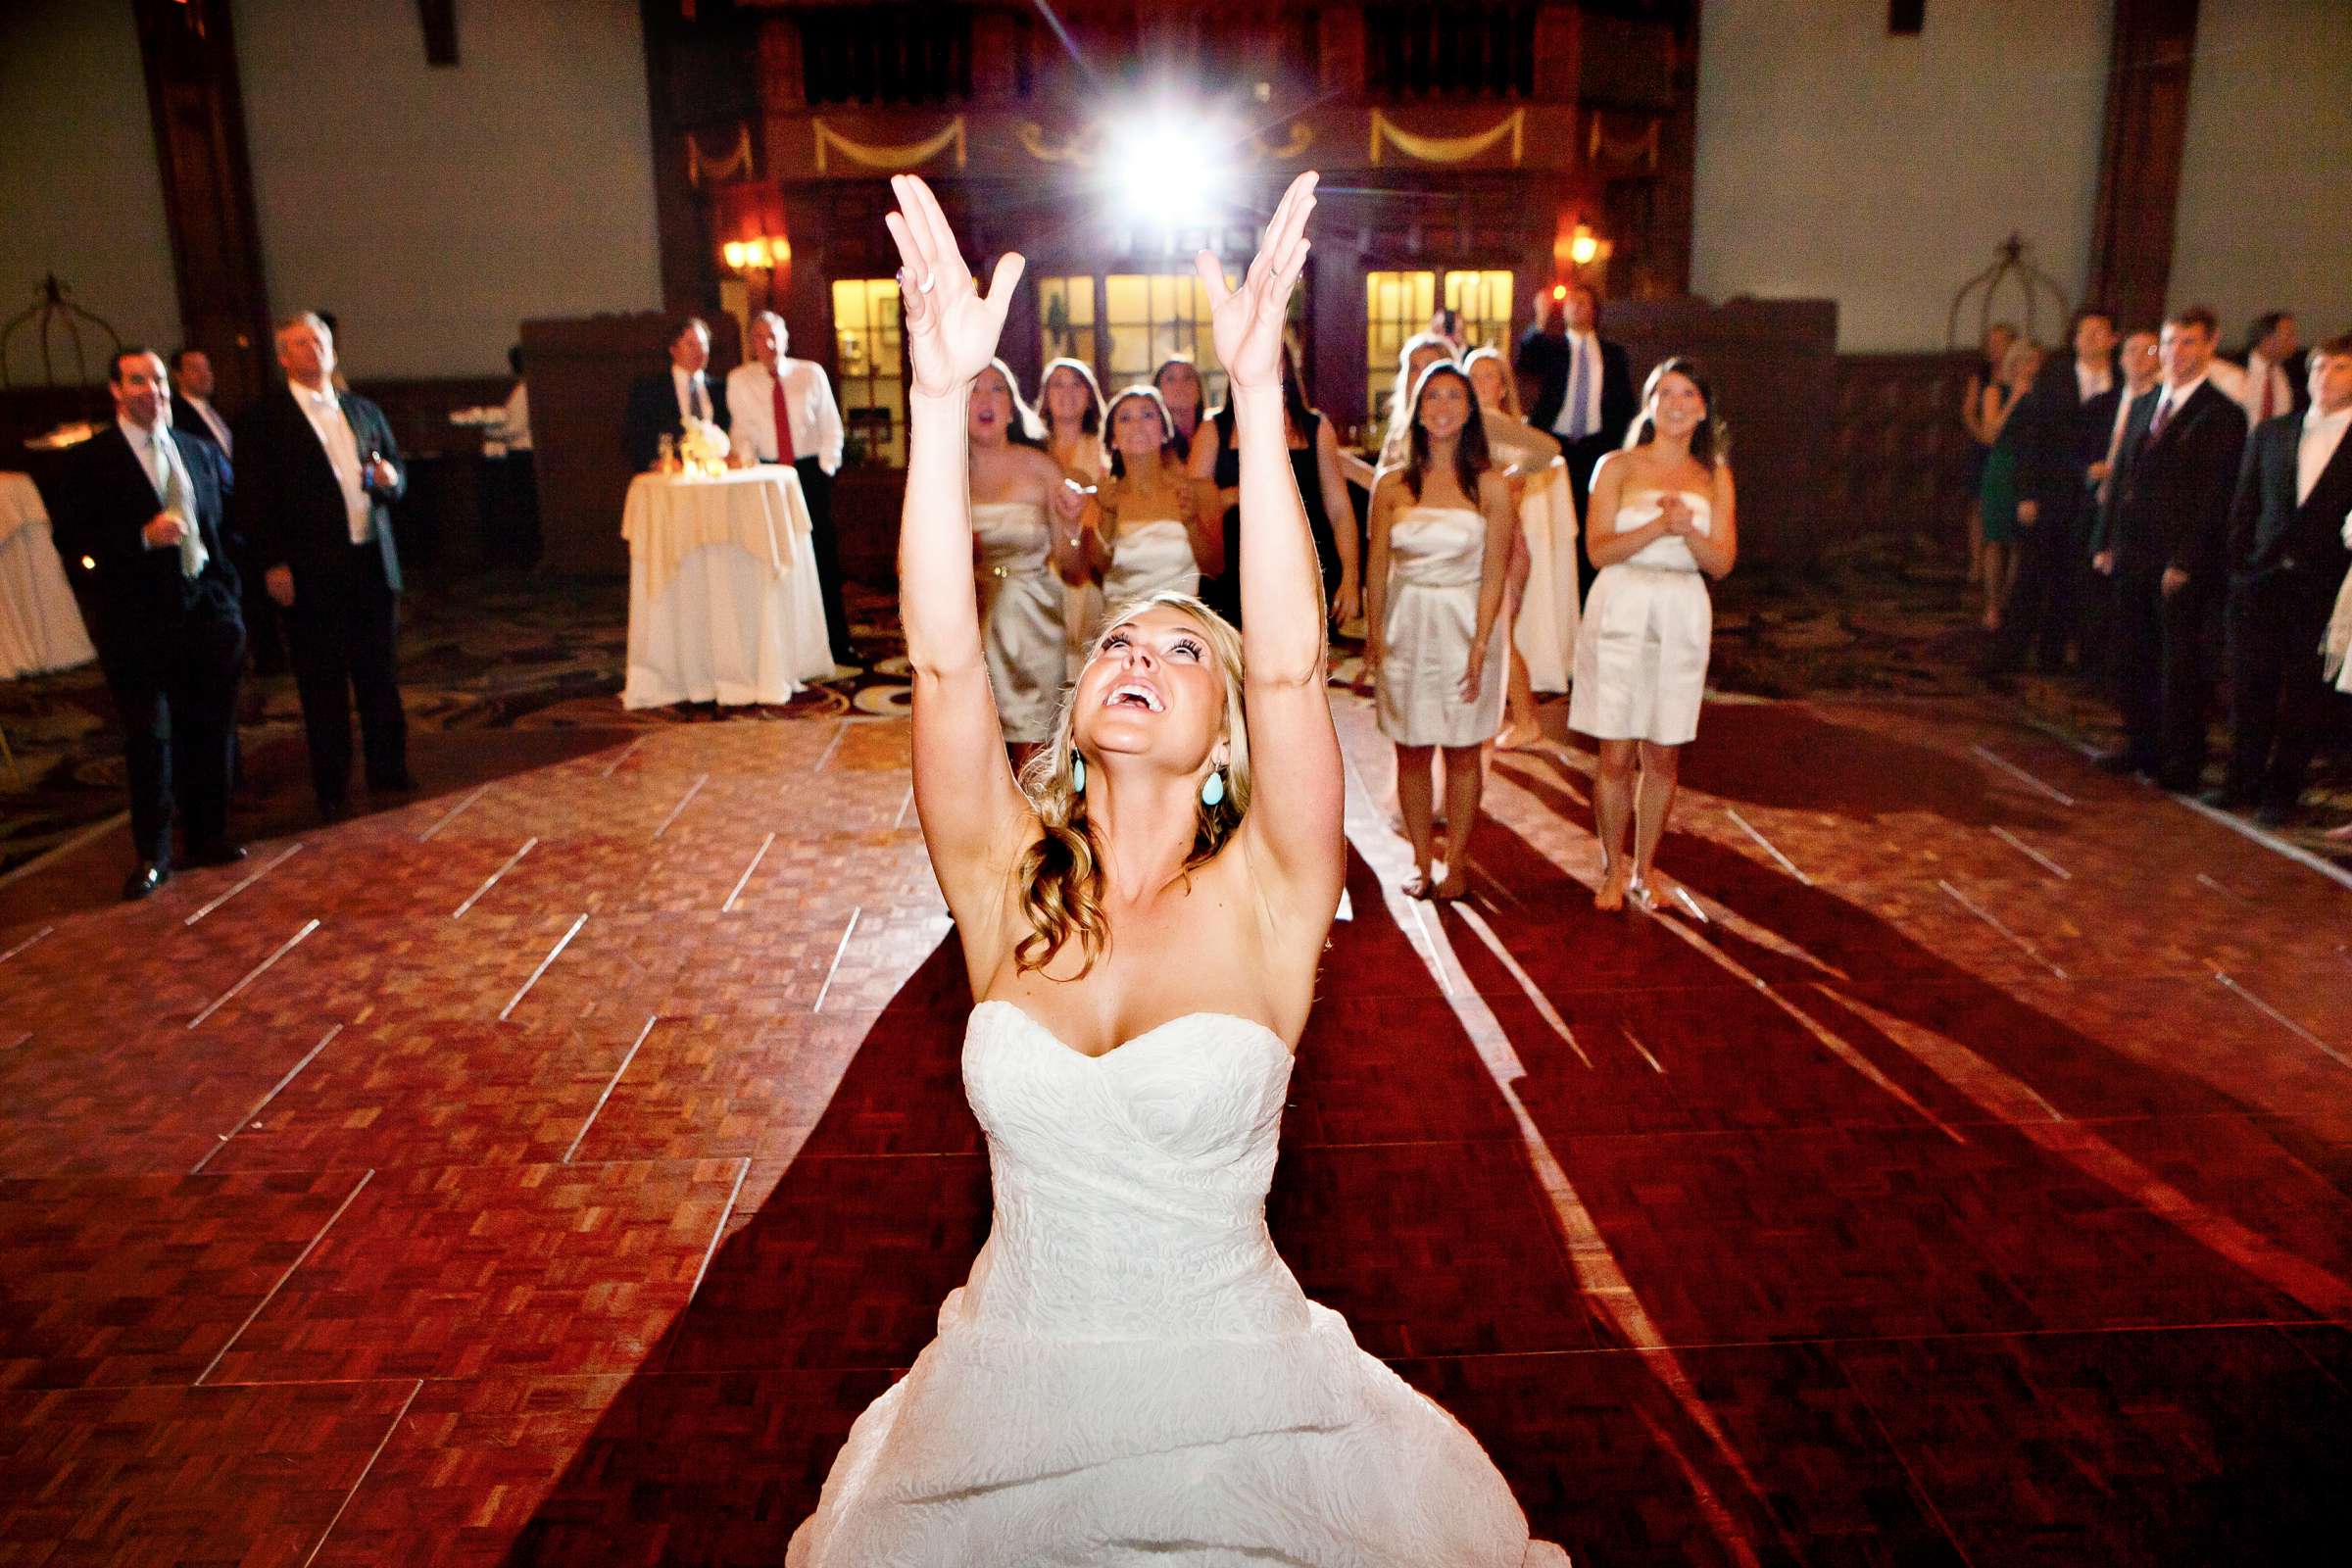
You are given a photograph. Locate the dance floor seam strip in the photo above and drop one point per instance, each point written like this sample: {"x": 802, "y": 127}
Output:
{"x": 1666, "y": 1185}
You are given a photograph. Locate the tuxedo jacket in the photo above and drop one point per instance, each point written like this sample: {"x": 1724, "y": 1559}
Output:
{"x": 2169, "y": 506}
{"x": 2268, "y": 532}
{"x": 1546, "y": 358}
{"x": 137, "y": 598}
{"x": 654, "y": 414}
{"x": 2062, "y": 433}
{"x": 289, "y": 506}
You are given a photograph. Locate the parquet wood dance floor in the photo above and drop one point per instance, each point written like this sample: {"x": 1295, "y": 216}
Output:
{"x": 548, "y": 1171}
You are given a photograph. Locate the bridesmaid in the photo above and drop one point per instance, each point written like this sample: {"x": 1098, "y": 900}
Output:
{"x": 1421, "y": 351}
{"x": 1071, "y": 401}
{"x": 1996, "y": 487}
{"x": 1523, "y": 451}
{"x": 1152, "y": 527}
{"x": 1178, "y": 383}
{"x": 1023, "y": 543}
{"x": 1661, "y": 514}
{"x": 1441, "y": 531}
{"x": 1314, "y": 451}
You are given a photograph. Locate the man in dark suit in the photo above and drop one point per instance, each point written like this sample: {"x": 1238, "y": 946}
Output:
{"x": 139, "y": 519}
{"x": 660, "y": 403}
{"x": 319, "y": 474}
{"x": 1578, "y": 387}
{"x": 194, "y": 416}
{"x": 2286, "y": 560}
{"x": 2062, "y": 430}
{"x": 2275, "y": 370}
{"x": 2164, "y": 538}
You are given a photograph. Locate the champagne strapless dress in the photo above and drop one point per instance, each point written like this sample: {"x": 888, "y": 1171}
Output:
{"x": 1020, "y": 617}
{"x": 1130, "y": 1375}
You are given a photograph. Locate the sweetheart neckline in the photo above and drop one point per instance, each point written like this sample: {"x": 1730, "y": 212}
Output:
{"x": 1262, "y": 1029}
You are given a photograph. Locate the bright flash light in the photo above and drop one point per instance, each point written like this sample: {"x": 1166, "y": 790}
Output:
{"x": 1559, "y": 291}
{"x": 1584, "y": 248}
{"x": 1168, "y": 166}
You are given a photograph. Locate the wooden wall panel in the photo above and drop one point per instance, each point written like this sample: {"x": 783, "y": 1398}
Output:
{"x": 2154, "y": 48}
{"x": 1899, "y": 462}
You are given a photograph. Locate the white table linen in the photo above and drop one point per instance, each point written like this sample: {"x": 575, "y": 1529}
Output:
{"x": 40, "y": 626}
{"x": 1545, "y": 630}
{"x": 724, "y": 602}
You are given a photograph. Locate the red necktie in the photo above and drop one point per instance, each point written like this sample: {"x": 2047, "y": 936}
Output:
{"x": 2163, "y": 416}
{"x": 784, "y": 451}
{"x": 2261, "y": 411}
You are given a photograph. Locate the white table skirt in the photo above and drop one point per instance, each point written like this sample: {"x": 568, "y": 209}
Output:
{"x": 1545, "y": 630}
{"x": 724, "y": 604}
{"x": 40, "y": 626}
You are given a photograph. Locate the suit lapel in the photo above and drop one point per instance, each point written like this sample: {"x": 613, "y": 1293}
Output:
{"x": 2331, "y": 492}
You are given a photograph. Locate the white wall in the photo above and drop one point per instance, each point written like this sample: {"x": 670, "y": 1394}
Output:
{"x": 1836, "y": 162}
{"x": 2265, "y": 220}
{"x": 433, "y": 210}
{"x": 79, "y": 193}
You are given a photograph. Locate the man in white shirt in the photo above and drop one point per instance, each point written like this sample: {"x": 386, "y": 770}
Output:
{"x": 139, "y": 517}
{"x": 193, "y": 410}
{"x": 194, "y": 414}
{"x": 2286, "y": 562}
{"x": 315, "y": 490}
{"x": 783, "y": 411}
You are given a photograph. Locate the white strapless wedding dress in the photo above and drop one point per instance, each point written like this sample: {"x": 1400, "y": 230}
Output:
{"x": 1130, "y": 1375}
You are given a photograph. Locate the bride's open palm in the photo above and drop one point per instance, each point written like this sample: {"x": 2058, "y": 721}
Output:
{"x": 1247, "y": 321}
{"x": 952, "y": 328}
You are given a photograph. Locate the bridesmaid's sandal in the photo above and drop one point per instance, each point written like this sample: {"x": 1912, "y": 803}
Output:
{"x": 1419, "y": 886}
{"x": 1519, "y": 740}
{"x": 1454, "y": 889}
{"x": 1609, "y": 897}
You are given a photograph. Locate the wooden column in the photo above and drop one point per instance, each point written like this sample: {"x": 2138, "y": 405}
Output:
{"x": 2148, "y": 68}
{"x": 199, "y": 118}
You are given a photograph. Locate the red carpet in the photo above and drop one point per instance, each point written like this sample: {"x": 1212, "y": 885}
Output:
{"x": 1973, "y": 1185}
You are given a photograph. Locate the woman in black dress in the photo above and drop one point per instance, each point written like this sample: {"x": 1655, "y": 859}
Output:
{"x": 1315, "y": 460}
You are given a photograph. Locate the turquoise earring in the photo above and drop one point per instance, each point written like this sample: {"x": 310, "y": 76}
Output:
{"x": 1212, "y": 788}
{"x": 1077, "y": 773}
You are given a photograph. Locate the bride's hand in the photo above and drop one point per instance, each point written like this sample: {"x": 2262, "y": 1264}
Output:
{"x": 952, "y": 328}
{"x": 1247, "y": 321}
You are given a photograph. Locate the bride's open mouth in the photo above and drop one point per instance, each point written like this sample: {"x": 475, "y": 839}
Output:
{"x": 1134, "y": 694}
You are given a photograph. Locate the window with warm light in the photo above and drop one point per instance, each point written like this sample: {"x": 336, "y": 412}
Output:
{"x": 1065, "y": 319}
{"x": 1485, "y": 301}
{"x": 869, "y": 356}
{"x": 1397, "y": 306}
{"x": 1153, "y": 317}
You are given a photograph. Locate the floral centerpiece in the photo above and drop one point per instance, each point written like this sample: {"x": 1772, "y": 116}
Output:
{"x": 704, "y": 446}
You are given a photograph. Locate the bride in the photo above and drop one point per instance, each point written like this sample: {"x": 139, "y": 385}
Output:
{"x": 1130, "y": 1374}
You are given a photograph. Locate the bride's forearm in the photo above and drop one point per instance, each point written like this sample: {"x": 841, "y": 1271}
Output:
{"x": 1282, "y": 585}
{"x": 935, "y": 536}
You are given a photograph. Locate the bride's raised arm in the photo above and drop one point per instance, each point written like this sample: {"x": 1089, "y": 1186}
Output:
{"x": 975, "y": 820}
{"x": 1293, "y": 830}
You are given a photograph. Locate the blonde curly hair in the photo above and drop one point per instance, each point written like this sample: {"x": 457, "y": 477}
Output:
{"x": 1061, "y": 873}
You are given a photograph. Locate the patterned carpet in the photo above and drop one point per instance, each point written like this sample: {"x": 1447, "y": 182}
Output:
{"x": 510, "y": 663}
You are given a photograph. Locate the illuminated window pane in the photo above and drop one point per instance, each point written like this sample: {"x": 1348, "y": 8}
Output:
{"x": 869, "y": 356}
{"x": 1396, "y": 305}
{"x": 1485, "y": 300}
{"x": 1065, "y": 315}
{"x": 1153, "y": 315}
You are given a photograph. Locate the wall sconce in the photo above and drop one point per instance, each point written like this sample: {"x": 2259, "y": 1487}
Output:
{"x": 1584, "y": 247}
{"x": 1575, "y": 245}
{"x": 758, "y": 254}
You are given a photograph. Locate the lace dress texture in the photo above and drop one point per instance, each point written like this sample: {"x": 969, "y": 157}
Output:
{"x": 1130, "y": 1375}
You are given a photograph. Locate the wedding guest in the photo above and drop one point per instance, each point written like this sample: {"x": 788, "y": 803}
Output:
{"x": 1415, "y": 355}
{"x": 1522, "y": 451}
{"x": 1441, "y": 538}
{"x": 2061, "y": 434}
{"x": 139, "y": 517}
{"x": 1070, "y": 400}
{"x": 1178, "y": 383}
{"x": 661, "y": 402}
{"x": 1662, "y": 515}
{"x": 2275, "y": 370}
{"x": 1314, "y": 451}
{"x": 1997, "y": 497}
{"x": 781, "y": 410}
{"x": 1024, "y": 531}
{"x": 1152, "y": 528}
{"x": 320, "y": 476}
{"x": 1994, "y": 354}
{"x": 2141, "y": 369}
{"x": 194, "y": 414}
{"x": 2287, "y": 562}
{"x": 514, "y": 499}
{"x": 1582, "y": 391}
{"x": 192, "y": 411}
{"x": 2164, "y": 537}
{"x": 1446, "y": 322}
